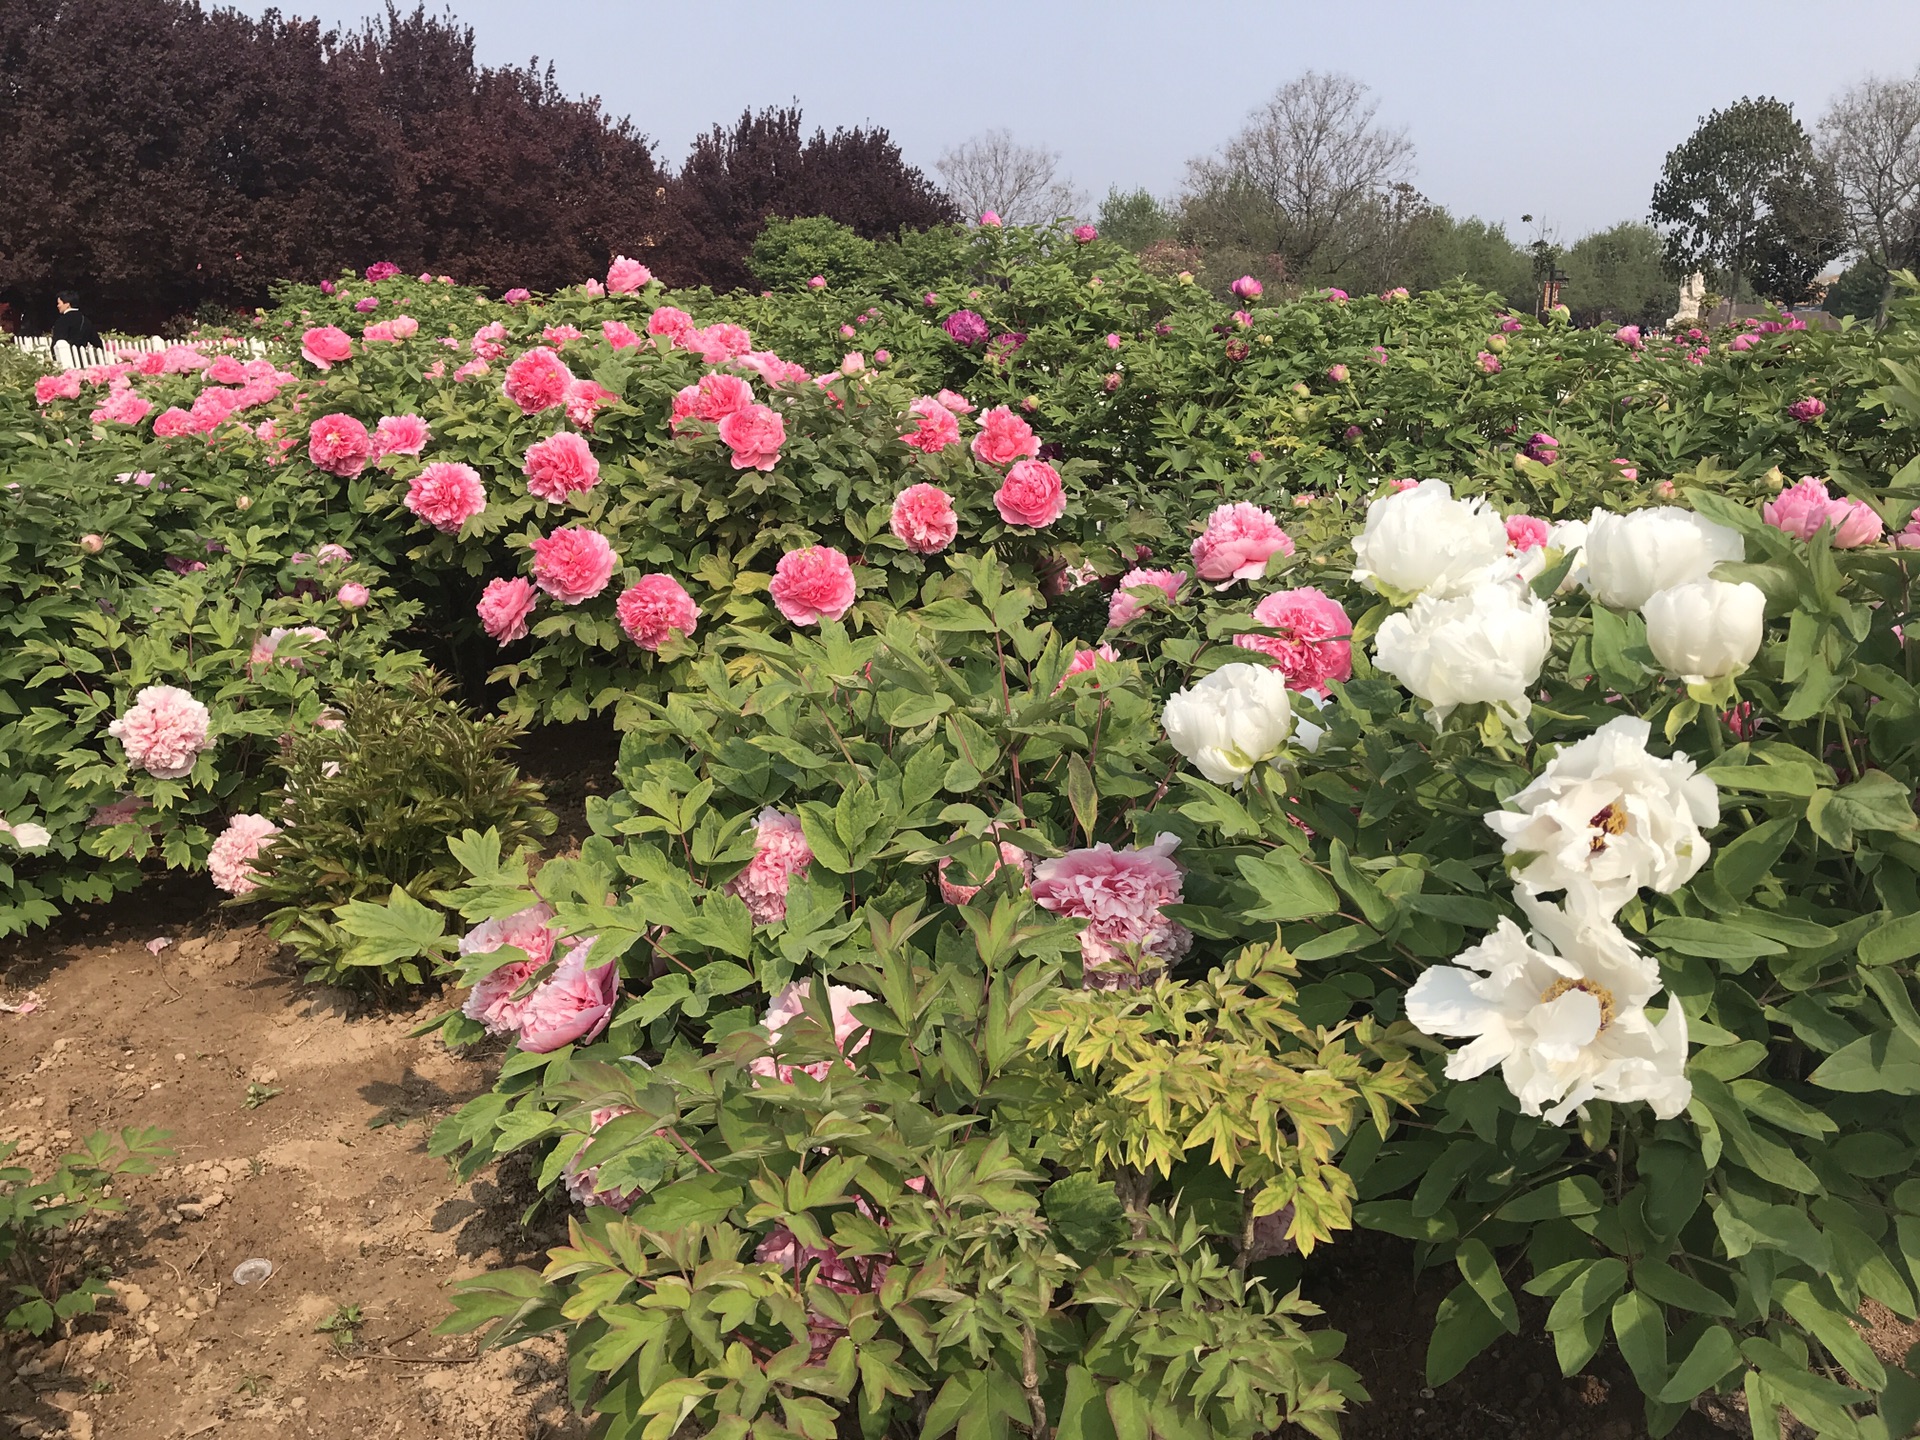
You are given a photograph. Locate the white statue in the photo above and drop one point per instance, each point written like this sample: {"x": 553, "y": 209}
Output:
{"x": 1693, "y": 293}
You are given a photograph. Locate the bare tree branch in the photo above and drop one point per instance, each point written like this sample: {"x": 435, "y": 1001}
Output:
{"x": 1870, "y": 139}
{"x": 1022, "y": 184}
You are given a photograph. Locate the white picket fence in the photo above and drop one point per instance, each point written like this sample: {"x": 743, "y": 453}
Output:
{"x": 60, "y": 355}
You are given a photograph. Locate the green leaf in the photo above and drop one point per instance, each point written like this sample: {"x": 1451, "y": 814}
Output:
{"x": 1290, "y": 889}
{"x": 1083, "y": 1413}
{"x": 1462, "y": 1328}
{"x": 1640, "y": 1328}
{"x": 1478, "y": 1268}
{"x": 1888, "y": 1062}
{"x": 1747, "y": 859}
{"x": 1087, "y": 1211}
{"x": 1575, "y": 1195}
{"x": 1833, "y": 1329}
{"x": 1711, "y": 940}
{"x": 1897, "y": 939}
{"x": 1082, "y": 796}
{"x": 400, "y": 929}
{"x": 1670, "y": 1287}
{"x": 1713, "y": 1357}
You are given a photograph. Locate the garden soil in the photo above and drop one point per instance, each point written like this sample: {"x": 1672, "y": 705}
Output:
{"x": 326, "y": 1176}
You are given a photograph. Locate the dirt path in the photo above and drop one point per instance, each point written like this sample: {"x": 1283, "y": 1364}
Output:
{"x": 328, "y": 1178}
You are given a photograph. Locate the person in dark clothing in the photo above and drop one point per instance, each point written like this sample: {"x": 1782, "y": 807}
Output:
{"x": 70, "y": 325}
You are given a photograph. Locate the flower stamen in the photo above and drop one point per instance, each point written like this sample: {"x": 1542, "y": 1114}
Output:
{"x": 1599, "y": 992}
{"x": 1609, "y": 822}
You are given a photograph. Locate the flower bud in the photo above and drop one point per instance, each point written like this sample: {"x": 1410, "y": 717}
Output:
{"x": 1707, "y": 629}
{"x": 1230, "y": 721}
{"x": 243, "y": 502}
{"x": 92, "y": 544}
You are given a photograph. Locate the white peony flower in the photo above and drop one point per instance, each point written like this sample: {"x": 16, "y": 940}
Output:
{"x": 1487, "y": 646}
{"x": 27, "y": 835}
{"x": 1569, "y": 537}
{"x": 1424, "y": 542}
{"x": 1705, "y": 630}
{"x": 1561, "y": 1012}
{"x": 1230, "y": 721}
{"x": 1606, "y": 812}
{"x": 1630, "y": 556}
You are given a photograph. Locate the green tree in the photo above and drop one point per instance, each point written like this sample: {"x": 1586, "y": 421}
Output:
{"x": 788, "y": 253}
{"x": 1746, "y": 197}
{"x": 1445, "y": 249}
{"x": 1133, "y": 218}
{"x": 1619, "y": 275}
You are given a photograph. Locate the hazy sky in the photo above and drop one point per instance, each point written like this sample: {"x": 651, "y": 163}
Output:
{"x": 1561, "y": 110}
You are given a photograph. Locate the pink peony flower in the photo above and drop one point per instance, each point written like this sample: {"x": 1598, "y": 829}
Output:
{"x": 400, "y": 435}
{"x": 64, "y": 386}
{"x": 491, "y": 1000}
{"x": 716, "y": 397}
{"x": 559, "y": 466}
{"x": 405, "y": 327}
{"x": 1627, "y": 471}
{"x": 1801, "y": 509}
{"x": 573, "y": 564}
{"x": 1335, "y": 294}
{"x": 366, "y": 305}
{"x": 1122, "y": 608}
{"x": 559, "y": 335}
{"x": 121, "y": 407}
{"x": 325, "y": 346}
{"x": 537, "y": 381}
{"x": 1237, "y": 541}
{"x": 790, "y": 1004}
{"x": 174, "y": 421}
{"x": 717, "y": 344}
{"x": 1808, "y": 410}
{"x": 1488, "y": 362}
{"x": 780, "y": 853}
{"x": 117, "y": 812}
{"x": 504, "y": 607}
{"x": 754, "y": 434}
{"x": 1011, "y": 855}
{"x": 1312, "y": 647}
{"x": 583, "y": 1185}
{"x": 990, "y": 218}
{"x": 230, "y": 862}
{"x": 675, "y": 324}
{"x": 1004, "y": 438}
{"x": 1337, "y": 374}
{"x": 1399, "y": 292}
{"x": 619, "y": 334}
{"x": 817, "y": 282}
{"x": 1085, "y": 234}
{"x": 382, "y": 270}
{"x": 472, "y": 370}
{"x": 353, "y": 595}
{"x": 1246, "y": 288}
{"x": 574, "y": 1003}
{"x": 489, "y": 341}
{"x": 625, "y": 276}
{"x": 266, "y": 649}
{"x": 338, "y": 444}
{"x": 1083, "y": 662}
{"x": 653, "y": 608}
{"x": 585, "y": 399}
{"x": 924, "y": 519}
{"x": 1527, "y": 532}
{"x": 812, "y": 585}
{"x": 935, "y": 426}
{"x": 1909, "y": 538}
{"x": 955, "y": 402}
{"x": 1629, "y": 336}
{"x": 164, "y": 732}
{"x": 446, "y": 495}
{"x": 772, "y": 369}
{"x": 1119, "y": 894}
{"x": 1031, "y": 495}
{"x": 519, "y": 295}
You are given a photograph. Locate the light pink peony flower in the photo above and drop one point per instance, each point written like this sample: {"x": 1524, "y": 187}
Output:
{"x": 446, "y": 495}
{"x": 472, "y": 370}
{"x": 1237, "y": 542}
{"x": 504, "y": 607}
{"x": 1337, "y": 374}
{"x": 353, "y": 595}
{"x": 583, "y": 1185}
{"x": 780, "y": 853}
{"x": 1312, "y": 646}
{"x": 338, "y": 444}
{"x": 573, "y": 564}
{"x": 574, "y": 1003}
{"x": 559, "y": 466}
{"x": 400, "y": 435}
{"x": 1801, "y": 509}
{"x": 653, "y": 608}
{"x": 1527, "y": 532}
{"x": 267, "y": 647}
{"x": 955, "y": 402}
{"x": 518, "y": 295}
{"x": 405, "y": 327}
{"x": 164, "y": 732}
{"x": 787, "y": 1006}
{"x": 1010, "y": 855}
{"x": 230, "y": 862}
{"x": 489, "y": 341}
{"x": 772, "y": 369}
{"x": 1031, "y": 495}
{"x": 174, "y": 421}
{"x": 755, "y": 434}
{"x": 559, "y": 335}
{"x": 1629, "y": 336}
{"x": 813, "y": 584}
{"x": 1004, "y": 438}
{"x": 1119, "y": 894}
{"x": 1083, "y": 662}
{"x": 935, "y": 427}
{"x": 491, "y": 1000}
{"x": 923, "y": 519}
{"x": 1122, "y": 608}
{"x": 1627, "y": 471}
{"x": 117, "y": 812}
{"x": 537, "y": 381}
{"x": 325, "y": 346}
{"x": 717, "y": 344}
{"x": 625, "y": 276}
{"x": 619, "y": 334}
{"x": 1909, "y": 538}
{"x": 121, "y": 407}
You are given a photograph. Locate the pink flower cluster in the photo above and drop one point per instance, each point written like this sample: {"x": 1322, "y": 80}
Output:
{"x": 583, "y": 1183}
{"x": 780, "y": 853}
{"x": 1010, "y": 855}
{"x": 813, "y": 584}
{"x": 1801, "y": 509}
{"x": 654, "y": 608}
{"x": 1119, "y": 894}
{"x": 1312, "y": 647}
{"x": 164, "y": 732}
{"x": 446, "y": 495}
{"x": 1237, "y": 543}
{"x": 230, "y": 861}
{"x": 573, "y": 564}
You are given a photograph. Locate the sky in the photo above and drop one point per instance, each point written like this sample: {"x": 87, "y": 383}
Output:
{"x": 1562, "y": 110}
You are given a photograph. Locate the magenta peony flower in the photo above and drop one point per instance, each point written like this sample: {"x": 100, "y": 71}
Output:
{"x": 1004, "y": 438}
{"x": 990, "y": 218}
{"x": 382, "y": 270}
{"x": 924, "y": 519}
{"x": 327, "y": 287}
{"x": 966, "y": 327}
{"x": 559, "y": 466}
{"x": 164, "y": 732}
{"x": 1335, "y": 294}
{"x": 325, "y": 346}
{"x": 504, "y": 607}
{"x": 1246, "y": 288}
{"x": 1085, "y": 234}
{"x": 575, "y": 1003}
{"x": 338, "y": 444}
{"x": 935, "y": 426}
{"x": 625, "y": 276}
{"x": 1119, "y": 894}
{"x": 491, "y": 1000}
{"x": 755, "y": 434}
{"x": 1237, "y": 541}
{"x": 1808, "y": 410}
{"x": 619, "y": 334}
{"x": 1122, "y": 608}
{"x": 780, "y": 853}
{"x": 353, "y": 595}
{"x": 446, "y": 495}
{"x": 1802, "y": 508}
{"x": 1312, "y": 647}
{"x": 1527, "y": 532}
{"x": 1011, "y": 855}
{"x": 230, "y": 860}
{"x": 789, "y": 1005}
{"x": 537, "y": 381}
{"x": 654, "y": 608}
{"x": 573, "y": 564}
{"x": 817, "y": 282}
{"x": 121, "y": 407}
{"x": 813, "y": 584}
{"x": 400, "y": 435}
{"x": 1542, "y": 447}
{"x": 1031, "y": 495}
